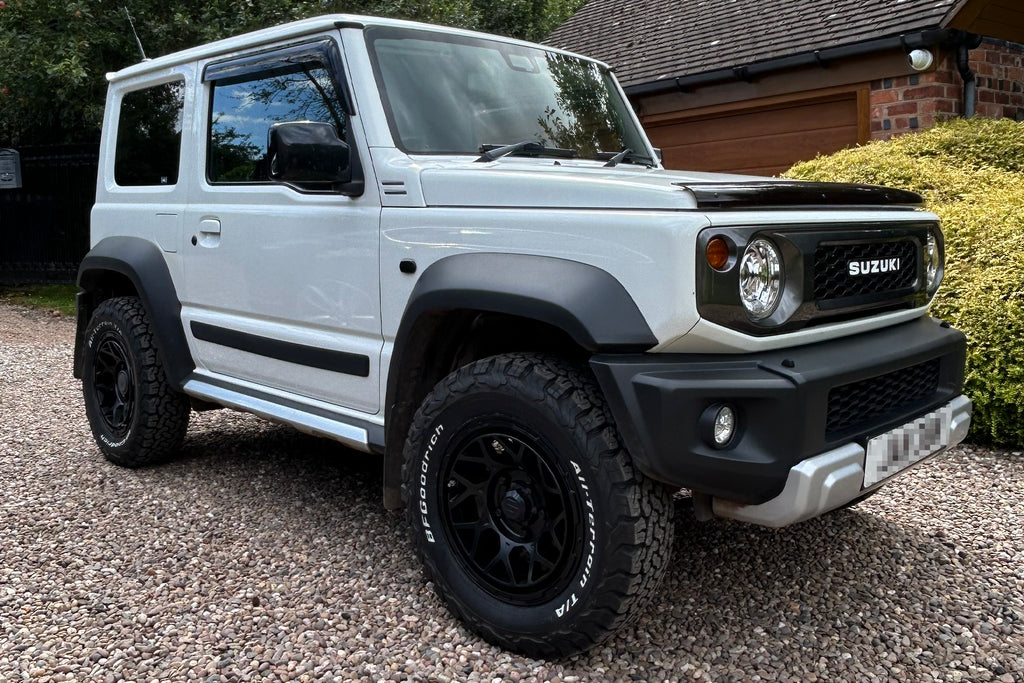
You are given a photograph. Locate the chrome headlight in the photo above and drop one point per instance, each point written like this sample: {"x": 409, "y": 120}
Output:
{"x": 932, "y": 263}
{"x": 760, "y": 278}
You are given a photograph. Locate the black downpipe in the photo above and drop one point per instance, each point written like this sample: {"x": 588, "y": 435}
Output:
{"x": 966, "y": 43}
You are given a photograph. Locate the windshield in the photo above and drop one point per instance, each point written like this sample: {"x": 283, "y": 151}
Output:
{"x": 448, "y": 94}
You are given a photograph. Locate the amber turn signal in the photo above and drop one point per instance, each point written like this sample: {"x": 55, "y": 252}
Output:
{"x": 718, "y": 253}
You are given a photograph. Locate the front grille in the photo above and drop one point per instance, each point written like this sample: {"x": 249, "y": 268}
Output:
{"x": 869, "y": 400}
{"x": 832, "y": 279}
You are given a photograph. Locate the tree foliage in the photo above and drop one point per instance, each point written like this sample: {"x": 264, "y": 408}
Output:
{"x": 587, "y": 122}
{"x": 54, "y": 53}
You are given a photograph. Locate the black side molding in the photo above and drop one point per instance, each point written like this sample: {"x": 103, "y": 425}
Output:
{"x": 300, "y": 354}
{"x": 142, "y": 263}
{"x": 796, "y": 194}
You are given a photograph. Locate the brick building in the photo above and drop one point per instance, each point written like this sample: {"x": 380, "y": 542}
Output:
{"x": 920, "y": 100}
{"x": 727, "y": 85}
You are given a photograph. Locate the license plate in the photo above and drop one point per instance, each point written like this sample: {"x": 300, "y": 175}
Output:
{"x": 900, "y": 448}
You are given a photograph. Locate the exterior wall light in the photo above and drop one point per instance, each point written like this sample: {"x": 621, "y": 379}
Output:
{"x": 921, "y": 60}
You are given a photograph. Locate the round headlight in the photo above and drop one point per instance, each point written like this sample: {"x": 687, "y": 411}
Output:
{"x": 760, "y": 278}
{"x": 932, "y": 262}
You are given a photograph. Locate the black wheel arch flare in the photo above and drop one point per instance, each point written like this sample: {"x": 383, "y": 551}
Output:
{"x": 142, "y": 263}
{"x": 587, "y": 303}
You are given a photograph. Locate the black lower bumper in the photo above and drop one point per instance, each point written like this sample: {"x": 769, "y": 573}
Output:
{"x": 791, "y": 403}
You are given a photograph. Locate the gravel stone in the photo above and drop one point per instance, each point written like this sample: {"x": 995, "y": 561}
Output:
{"x": 262, "y": 554}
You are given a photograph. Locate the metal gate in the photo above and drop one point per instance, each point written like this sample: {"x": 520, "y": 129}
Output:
{"x": 44, "y": 224}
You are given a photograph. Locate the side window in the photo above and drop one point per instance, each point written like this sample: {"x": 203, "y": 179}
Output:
{"x": 148, "y": 150}
{"x": 244, "y": 108}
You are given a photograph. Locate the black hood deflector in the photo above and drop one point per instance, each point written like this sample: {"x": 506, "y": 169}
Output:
{"x": 792, "y": 195}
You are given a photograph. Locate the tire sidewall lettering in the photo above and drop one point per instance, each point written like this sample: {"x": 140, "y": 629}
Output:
{"x": 589, "y": 546}
{"x": 116, "y": 444}
{"x": 100, "y": 327}
{"x": 429, "y": 453}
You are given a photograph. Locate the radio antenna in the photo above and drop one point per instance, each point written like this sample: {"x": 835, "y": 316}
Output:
{"x": 134, "y": 33}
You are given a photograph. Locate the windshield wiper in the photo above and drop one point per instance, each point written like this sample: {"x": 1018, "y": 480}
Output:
{"x": 627, "y": 155}
{"x": 527, "y": 147}
{"x": 614, "y": 161}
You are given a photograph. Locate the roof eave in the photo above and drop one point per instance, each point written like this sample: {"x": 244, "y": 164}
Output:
{"x": 749, "y": 72}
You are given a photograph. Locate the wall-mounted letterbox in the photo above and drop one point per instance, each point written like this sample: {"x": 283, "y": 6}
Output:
{"x": 10, "y": 169}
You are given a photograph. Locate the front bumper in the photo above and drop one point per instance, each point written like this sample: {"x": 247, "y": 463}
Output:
{"x": 830, "y": 480}
{"x": 786, "y": 402}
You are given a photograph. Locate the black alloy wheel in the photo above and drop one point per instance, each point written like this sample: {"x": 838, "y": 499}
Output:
{"x": 113, "y": 383}
{"x": 516, "y": 527}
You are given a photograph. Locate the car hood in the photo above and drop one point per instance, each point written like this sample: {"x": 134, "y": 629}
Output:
{"x": 515, "y": 184}
{"x": 532, "y": 185}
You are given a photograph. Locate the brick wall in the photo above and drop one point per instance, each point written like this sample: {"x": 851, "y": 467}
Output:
{"x": 907, "y": 103}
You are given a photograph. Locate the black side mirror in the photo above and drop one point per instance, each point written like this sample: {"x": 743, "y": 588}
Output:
{"x": 307, "y": 152}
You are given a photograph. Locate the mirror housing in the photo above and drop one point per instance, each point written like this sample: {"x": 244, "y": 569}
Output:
{"x": 308, "y": 153}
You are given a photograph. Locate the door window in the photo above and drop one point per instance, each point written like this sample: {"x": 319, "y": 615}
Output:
{"x": 245, "y": 107}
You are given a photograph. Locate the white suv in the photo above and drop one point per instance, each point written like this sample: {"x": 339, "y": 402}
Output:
{"x": 461, "y": 254}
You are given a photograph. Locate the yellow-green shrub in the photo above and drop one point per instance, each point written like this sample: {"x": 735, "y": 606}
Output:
{"x": 971, "y": 174}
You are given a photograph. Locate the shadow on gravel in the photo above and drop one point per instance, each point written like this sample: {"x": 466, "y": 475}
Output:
{"x": 759, "y": 577}
{"x": 266, "y": 479}
{"x": 263, "y": 446}
{"x": 739, "y": 595}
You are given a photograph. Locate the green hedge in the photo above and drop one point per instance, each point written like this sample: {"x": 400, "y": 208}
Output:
{"x": 971, "y": 173}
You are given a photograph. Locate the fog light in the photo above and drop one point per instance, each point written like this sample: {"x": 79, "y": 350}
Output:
{"x": 725, "y": 425}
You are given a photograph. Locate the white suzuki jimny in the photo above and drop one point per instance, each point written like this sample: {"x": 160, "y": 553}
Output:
{"x": 460, "y": 253}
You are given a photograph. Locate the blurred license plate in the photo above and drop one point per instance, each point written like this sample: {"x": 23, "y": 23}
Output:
{"x": 900, "y": 448}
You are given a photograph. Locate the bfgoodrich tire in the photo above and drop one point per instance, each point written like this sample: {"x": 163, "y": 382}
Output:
{"x": 527, "y": 513}
{"x": 136, "y": 417}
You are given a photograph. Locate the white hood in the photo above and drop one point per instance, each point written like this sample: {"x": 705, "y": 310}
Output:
{"x": 514, "y": 184}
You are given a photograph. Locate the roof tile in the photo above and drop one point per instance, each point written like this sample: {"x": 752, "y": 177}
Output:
{"x": 649, "y": 40}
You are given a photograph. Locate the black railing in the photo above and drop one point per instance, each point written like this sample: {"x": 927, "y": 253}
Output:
{"x": 44, "y": 225}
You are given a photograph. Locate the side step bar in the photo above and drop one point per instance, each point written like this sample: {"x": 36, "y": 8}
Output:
{"x": 308, "y": 419}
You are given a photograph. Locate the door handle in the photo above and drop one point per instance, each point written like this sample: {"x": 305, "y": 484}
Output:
{"x": 209, "y": 233}
{"x": 209, "y": 226}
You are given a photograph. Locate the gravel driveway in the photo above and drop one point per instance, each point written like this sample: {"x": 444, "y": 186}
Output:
{"x": 262, "y": 554}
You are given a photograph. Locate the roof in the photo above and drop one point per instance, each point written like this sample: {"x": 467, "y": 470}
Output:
{"x": 651, "y": 40}
{"x": 295, "y": 29}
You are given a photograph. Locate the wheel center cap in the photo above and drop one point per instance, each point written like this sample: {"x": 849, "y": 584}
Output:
{"x": 514, "y": 507}
{"x": 122, "y": 382}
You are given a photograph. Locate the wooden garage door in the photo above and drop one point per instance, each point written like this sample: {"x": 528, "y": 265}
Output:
{"x": 764, "y": 140}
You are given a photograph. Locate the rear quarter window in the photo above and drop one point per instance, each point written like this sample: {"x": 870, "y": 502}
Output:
{"x": 148, "y": 150}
